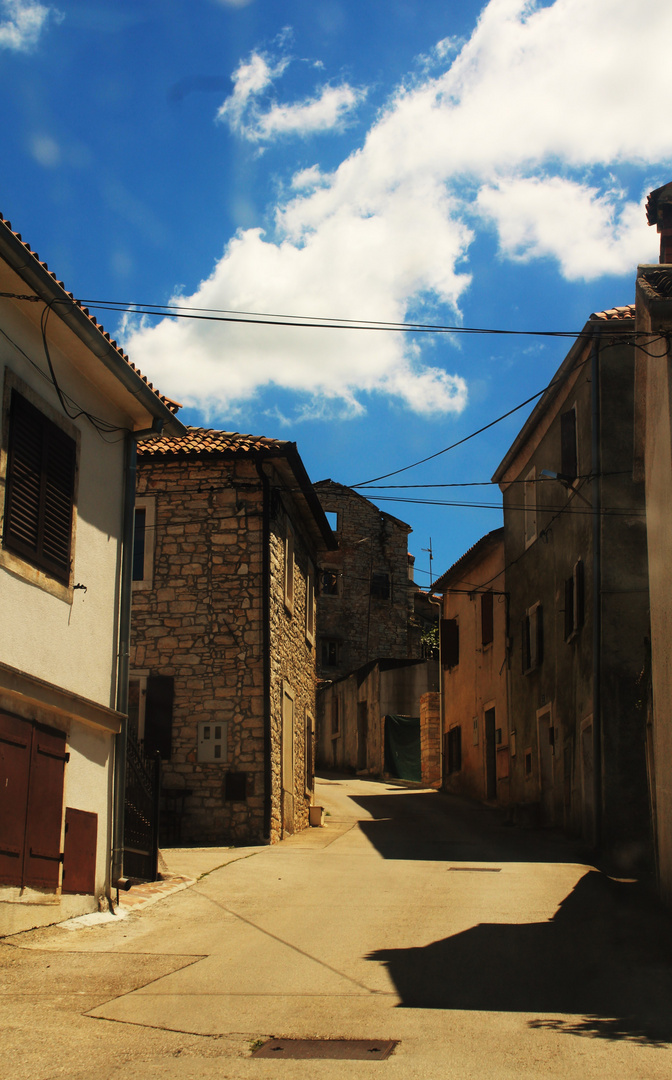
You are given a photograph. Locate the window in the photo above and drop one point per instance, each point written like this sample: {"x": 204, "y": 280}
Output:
{"x": 329, "y": 583}
{"x": 330, "y": 652}
{"x": 454, "y": 747}
{"x": 287, "y": 738}
{"x": 309, "y": 756}
{"x": 332, "y": 518}
{"x": 310, "y": 607}
{"x": 528, "y": 763}
{"x": 380, "y": 586}
{"x": 530, "y": 515}
{"x": 40, "y": 489}
{"x": 487, "y": 626}
{"x": 568, "y": 446}
{"x": 144, "y": 533}
{"x": 289, "y": 572}
{"x": 574, "y": 601}
{"x": 450, "y": 643}
{"x": 158, "y": 733}
{"x": 533, "y": 638}
{"x": 235, "y": 787}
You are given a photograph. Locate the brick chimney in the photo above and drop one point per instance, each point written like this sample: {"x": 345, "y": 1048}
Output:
{"x": 659, "y": 213}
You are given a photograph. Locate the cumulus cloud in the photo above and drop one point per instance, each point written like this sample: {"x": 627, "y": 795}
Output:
{"x": 522, "y": 129}
{"x": 327, "y": 110}
{"x": 22, "y": 23}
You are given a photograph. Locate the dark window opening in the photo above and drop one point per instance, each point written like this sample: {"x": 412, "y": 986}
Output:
{"x": 568, "y": 451}
{"x": 533, "y": 638}
{"x": 454, "y": 755}
{"x": 330, "y": 652}
{"x": 159, "y": 715}
{"x": 574, "y": 601}
{"x": 139, "y": 544}
{"x": 329, "y": 583}
{"x": 528, "y": 763}
{"x": 335, "y": 723}
{"x": 39, "y": 505}
{"x": 487, "y": 618}
{"x": 450, "y": 643}
{"x": 235, "y": 787}
{"x": 380, "y": 586}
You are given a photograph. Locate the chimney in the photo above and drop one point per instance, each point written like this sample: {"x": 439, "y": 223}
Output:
{"x": 659, "y": 213}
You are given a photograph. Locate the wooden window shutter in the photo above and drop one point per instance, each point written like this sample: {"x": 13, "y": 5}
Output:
{"x": 40, "y": 489}
{"x": 569, "y": 607}
{"x": 159, "y": 715}
{"x": 450, "y": 643}
{"x": 568, "y": 456}
{"x": 540, "y": 635}
{"x": 45, "y": 808}
{"x": 580, "y": 601}
{"x": 15, "y": 747}
{"x": 487, "y": 618}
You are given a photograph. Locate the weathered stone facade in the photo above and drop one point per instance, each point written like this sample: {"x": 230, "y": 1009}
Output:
{"x": 222, "y": 625}
{"x": 365, "y": 602}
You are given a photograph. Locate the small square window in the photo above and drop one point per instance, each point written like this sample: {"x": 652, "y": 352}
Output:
{"x": 380, "y": 586}
{"x": 329, "y": 583}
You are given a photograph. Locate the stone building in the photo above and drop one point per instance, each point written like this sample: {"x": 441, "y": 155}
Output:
{"x": 365, "y": 717}
{"x": 365, "y": 606}
{"x": 474, "y": 629}
{"x": 577, "y": 578}
{"x": 653, "y": 414}
{"x": 229, "y": 534}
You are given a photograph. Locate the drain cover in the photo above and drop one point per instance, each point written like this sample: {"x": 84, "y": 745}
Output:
{"x": 359, "y": 1049}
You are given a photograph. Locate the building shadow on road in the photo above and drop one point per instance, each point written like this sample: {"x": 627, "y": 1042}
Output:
{"x": 433, "y": 826}
{"x": 601, "y": 967}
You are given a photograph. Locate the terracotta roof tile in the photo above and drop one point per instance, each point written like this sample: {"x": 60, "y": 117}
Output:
{"x": 210, "y": 441}
{"x": 627, "y": 311}
{"x": 173, "y": 406}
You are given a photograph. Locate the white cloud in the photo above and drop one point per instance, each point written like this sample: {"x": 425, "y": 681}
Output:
{"x": 23, "y": 23}
{"x": 327, "y": 110}
{"x": 524, "y": 129}
{"x": 46, "y": 151}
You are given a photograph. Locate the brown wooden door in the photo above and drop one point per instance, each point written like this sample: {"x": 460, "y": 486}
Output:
{"x": 32, "y": 766}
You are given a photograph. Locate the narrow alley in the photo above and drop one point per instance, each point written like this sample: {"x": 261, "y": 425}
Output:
{"x": 482, "y": 950}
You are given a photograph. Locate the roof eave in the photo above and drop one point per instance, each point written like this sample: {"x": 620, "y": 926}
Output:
{"x": 23, "y": 262}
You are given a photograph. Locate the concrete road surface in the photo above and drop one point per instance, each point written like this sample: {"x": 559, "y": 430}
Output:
{"x": 486, "y": 951}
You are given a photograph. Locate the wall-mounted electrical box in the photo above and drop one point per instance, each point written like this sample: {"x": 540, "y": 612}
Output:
{"x": 212, "y": 741}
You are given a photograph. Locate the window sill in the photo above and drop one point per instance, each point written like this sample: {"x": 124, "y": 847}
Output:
{"x": 27, "y": 572}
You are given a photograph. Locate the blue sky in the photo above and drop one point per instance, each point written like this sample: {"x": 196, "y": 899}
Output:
{"x": 453, "y": 163}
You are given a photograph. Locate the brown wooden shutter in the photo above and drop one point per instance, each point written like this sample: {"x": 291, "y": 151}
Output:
{"x": 15, "y": 744}
{"x": 569, "y": 607}
{"x": 159, "y": 715}
{"x": 568, "y": 457}
{"x": 79, "y": 851}
{"x": 540, "y": 635}
{"x": 45, "y": 808}
{"x": 580, "y": 594}
{"x": 450, "y": 643}
{"x": 40, "y": 489}
{"x": 487, "y": 618}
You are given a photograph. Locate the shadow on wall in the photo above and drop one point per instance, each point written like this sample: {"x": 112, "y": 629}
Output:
{"x": 605, "y": 957}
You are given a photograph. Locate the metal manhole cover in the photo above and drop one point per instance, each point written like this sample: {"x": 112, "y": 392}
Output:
{"x": 352, "y": 1049}
{"x": 476, "y": 869}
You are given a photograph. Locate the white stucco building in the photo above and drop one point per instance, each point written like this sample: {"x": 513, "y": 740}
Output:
{"x": 72, "y": 409}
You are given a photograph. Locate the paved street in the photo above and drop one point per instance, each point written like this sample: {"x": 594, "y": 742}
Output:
{"x": 488, "y": 951}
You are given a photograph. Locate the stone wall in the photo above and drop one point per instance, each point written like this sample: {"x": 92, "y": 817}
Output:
{"x": 201, "y": 620}
{"x": 354, "y": 624}
{"x": 430, "y": 739}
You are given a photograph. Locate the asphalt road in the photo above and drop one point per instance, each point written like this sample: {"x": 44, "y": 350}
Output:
{"x": 487, "y": 951}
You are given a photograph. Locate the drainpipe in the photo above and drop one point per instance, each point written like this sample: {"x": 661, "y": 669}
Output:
{"x": 597, "y": 590}
{"x": 266, "y": 641}
{"x": 123, "y": 661}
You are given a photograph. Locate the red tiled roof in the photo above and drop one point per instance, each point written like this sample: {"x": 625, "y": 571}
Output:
{"x": 210, "y": 441}
{"x": 173, "y": 406}
{"x": 627, "y": 311}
